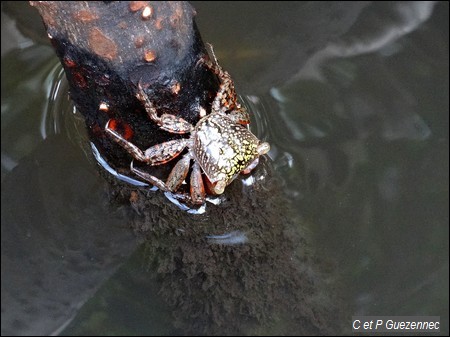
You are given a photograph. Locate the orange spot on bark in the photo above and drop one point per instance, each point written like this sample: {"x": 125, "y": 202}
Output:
{"x": 158, "y": 24}
{"x": 149, "y": 56}
{"x": 121, "y": 127}
{"x": 101, "y": 44}
{"x": 69, "y": 63}
{"x": 139, "y": 41}
{"x": 79, "y": 79}
{"x": 147, "y": 13}
{"x": 85, "y": 15}
{"x": 113, "y": 124}
{"x": 176, "y": 88}
{"x": 137, "y": 5}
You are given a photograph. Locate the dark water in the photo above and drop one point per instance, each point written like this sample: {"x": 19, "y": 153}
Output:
{"x": 354, "y": 101}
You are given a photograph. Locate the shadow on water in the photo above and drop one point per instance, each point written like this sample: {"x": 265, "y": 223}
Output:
{"x": 354, "y": 101}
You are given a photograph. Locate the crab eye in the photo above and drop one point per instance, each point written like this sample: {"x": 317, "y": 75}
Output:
{"x": 219, "y": 187}
{"x": 263, "y": 148}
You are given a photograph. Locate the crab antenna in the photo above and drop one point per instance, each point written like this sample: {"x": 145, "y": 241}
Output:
{"x": 212, "y": 52}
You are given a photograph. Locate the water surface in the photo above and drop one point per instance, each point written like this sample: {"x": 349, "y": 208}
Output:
{"x": 353, "y": 99}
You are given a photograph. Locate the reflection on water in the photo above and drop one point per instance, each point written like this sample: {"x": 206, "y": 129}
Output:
{"x": 105, "y": 165}
{"x": 231, "y": 238}
{"x": 371, "y": 36}
{"x": 358, "y": 124}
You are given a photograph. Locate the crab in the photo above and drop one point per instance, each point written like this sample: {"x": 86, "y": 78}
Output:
{"x": 220, "y": 144}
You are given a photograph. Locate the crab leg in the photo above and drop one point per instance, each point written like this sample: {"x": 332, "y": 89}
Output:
{"x": 148, "y": 177}
{"x": 178, "y": 173}
{"x": 240, "y": 116}
{"x": 176, "y": 178}
{"x": 226, "y": 98}
{"x": 164, "y": 152}
{"x": 166, "y": 122}
{"x": 155, "y": 155}
{"x": 197, "y": 187}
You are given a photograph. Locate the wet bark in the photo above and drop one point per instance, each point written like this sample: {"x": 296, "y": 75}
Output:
{"x": 107, "y": 48}
{"x": 260, "y": 276}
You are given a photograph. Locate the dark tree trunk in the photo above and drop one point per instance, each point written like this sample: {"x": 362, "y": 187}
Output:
{"x": 108, "y": 47}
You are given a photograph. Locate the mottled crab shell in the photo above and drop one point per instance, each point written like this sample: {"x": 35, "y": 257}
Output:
{"x": 222, "y": 147}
